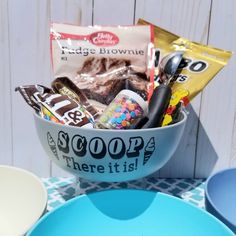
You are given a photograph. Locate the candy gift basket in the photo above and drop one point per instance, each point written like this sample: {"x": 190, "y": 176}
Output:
{"x": 116, "y": 107}
{"x": 115, "y": 112}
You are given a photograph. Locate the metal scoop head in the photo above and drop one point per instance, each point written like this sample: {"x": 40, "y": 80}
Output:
{"x": 169, "y": 66}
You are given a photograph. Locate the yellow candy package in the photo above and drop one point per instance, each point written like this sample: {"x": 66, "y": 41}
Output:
{"x": 199, "y": 66}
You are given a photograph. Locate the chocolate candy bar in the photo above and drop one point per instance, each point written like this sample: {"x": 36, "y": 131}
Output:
{"x": 65, "y": 86}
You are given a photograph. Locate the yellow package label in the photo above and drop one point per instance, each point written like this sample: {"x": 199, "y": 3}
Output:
{"x": 199, "y": 66}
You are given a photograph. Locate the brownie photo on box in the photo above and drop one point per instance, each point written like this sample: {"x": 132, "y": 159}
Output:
{"x": 101, "y": 79}
{"x": 103, "y": 60}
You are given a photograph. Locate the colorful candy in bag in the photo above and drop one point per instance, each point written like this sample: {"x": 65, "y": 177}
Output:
{"x": 102, "y": 60}
{"x": 201, "y": 62}
{"x": 55, "y": 107}
{"x": 123, "y": 112}
{"x": 178, "y": 99}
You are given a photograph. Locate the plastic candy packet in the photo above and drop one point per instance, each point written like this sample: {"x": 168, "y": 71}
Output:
{"x": 55, "y": 107}
{"x": 201, "y": 62}
{"x": 28, "y": 92}
{"x": 178, "y": 99}
{"x": 103, "y": 60}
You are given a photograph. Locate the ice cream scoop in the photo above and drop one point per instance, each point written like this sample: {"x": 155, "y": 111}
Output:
{"x": 161, "y": 95}
{"x": 169, "y": 66}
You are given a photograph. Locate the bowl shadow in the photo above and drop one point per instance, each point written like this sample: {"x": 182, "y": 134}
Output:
{"x": 178, "y": 187}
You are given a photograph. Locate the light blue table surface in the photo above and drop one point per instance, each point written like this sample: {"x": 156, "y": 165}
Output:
{"x": 61, "y": 189}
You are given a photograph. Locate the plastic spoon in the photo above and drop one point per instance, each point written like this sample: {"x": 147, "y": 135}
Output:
{"x": 162, "y": 94}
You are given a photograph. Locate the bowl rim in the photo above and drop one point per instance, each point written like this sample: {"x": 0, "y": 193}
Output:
{"x": 76, "y": 198}
{"x": 183, "y": 120}
{"x": 44, "y": 193}
{"x": 207, "y": 194}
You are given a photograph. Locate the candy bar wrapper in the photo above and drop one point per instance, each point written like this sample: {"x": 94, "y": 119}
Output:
{"x": 28, "y": 93}
{"x": 65, "y": 86}
{"x": 103, "y": 60}
{"x": 56, "y": 107}
{"x": 201, "y": 63}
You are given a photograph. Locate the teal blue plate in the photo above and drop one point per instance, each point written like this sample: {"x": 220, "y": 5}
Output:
{"x": 128, "y": 213}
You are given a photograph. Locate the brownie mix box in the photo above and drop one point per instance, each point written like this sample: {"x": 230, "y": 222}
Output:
{"x": 103, "y": 60}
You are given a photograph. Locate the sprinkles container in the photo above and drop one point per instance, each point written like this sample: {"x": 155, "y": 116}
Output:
{"x": 123, "y": 112}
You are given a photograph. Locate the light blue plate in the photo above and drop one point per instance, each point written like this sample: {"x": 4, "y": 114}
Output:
{"x": 128, "y": 213}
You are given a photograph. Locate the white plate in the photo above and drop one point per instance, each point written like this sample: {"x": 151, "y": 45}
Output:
{"x": 23, "y": 199}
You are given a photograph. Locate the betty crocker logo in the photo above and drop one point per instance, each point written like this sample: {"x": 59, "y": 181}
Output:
{"x": 104, "y": 38}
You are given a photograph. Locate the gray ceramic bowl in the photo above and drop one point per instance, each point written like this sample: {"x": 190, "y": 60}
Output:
{"x": 109, "y": 155}
{"x": 220, "y": 195}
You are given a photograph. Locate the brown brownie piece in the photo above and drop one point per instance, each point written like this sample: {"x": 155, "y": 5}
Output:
{"x": 102, "y": 90}
{"x": 101, "y": 79}
{"x": 93, "y": 66}
{"x": 137, "y": 84}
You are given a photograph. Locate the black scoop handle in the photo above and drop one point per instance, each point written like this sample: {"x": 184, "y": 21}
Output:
{"x": 157, "y": 106}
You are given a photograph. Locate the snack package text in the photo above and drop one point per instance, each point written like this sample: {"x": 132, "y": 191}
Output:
{"x": 101, "y": 60}
{"x": 199, "y": 66}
